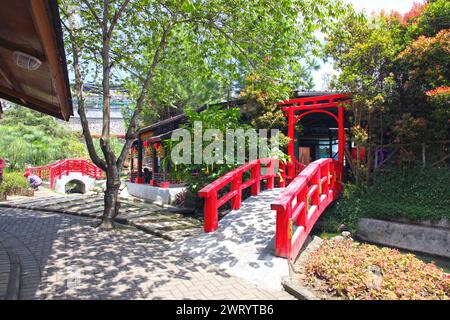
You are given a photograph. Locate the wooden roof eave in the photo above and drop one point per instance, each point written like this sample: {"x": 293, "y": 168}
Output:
{"x": 48, "y": 26}
{"x": 43, "y": 15}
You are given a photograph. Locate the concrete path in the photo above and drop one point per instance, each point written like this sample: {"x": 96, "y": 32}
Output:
{"x": 64, "y": 257}
{"x": 244, "y": 243}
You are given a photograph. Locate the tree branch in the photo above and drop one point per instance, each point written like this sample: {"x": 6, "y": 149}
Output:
{"x": 80, "y": 99}
{"x": 131, "y": 134}
{"x": 116, "y": 17}
{"x": 92, "y": 10}
{"x": 210, "y": 23}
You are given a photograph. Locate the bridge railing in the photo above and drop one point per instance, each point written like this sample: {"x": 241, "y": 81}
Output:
{"x": 302, "y": 202}
{"x": 66, "y": 166}
{"x": 297, "y": 168}
{"x": 235, "y": 178}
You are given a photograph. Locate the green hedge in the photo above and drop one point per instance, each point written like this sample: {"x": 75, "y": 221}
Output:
{"x": 419, "y": 194}
{"x": 12, "y": 182}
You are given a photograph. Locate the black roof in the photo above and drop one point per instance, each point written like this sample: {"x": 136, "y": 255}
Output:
{"x": 170, "y": 122}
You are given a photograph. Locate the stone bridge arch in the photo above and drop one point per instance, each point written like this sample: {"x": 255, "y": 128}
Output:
{"x": 75, "y": 186}
{"x": 85, "y": 183}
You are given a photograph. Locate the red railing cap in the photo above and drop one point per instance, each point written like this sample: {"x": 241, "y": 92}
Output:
{"x": 228, "y": 177}
{"x": 290, "y": 192}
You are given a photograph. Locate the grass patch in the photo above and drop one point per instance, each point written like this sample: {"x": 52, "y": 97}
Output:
{"x": 361, "y": 271}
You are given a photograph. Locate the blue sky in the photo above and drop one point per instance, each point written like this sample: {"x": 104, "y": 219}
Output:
{"x": 369, "y": 6}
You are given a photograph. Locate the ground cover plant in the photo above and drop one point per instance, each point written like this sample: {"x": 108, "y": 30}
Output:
{"x": 361, "y": 271}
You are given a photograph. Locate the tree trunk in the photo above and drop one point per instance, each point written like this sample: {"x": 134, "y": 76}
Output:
{"x": 110, "y": 164}
{"x": 111, "y": 200}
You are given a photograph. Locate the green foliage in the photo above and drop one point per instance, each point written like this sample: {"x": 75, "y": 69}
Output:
{"x": 417, "y": 194}
{"x": 366, "y": 272}
{"x": 431, "y": 17}
{"x": 198, "y": 175}
{"x": 211, "y": 47}
{"x": 186, "y": 79}
{"x": 31, "y": 138}
{"x": 12, "y": 182}
{"x": 116, "y": 146}
{"x": 389, "y": 62}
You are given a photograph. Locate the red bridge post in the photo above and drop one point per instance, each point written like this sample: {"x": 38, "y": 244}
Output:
{"x": 255, "y": 175}
{"x": 211, "y": 212}
{"x": 271, "y": 171}
{"x": 236, "y": 186}
{"x": 282, "y": 176}
{"x": 283, "y": 233}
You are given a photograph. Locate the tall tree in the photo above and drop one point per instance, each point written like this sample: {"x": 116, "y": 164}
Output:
{"x": 132, "y": 38}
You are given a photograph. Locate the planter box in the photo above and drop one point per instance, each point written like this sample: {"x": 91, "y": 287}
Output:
{"x": 21, "y": 192}
{"x": 155, "y": 194}
{"x": 27, "y": 192}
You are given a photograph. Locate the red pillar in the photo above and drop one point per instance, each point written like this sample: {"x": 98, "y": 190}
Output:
{"x": 256, "y": 175}
{"x": 291, "y": 133}
{"x": 236, "y": 186}
{"x": 283, "y": 233}
{"x": 341, "y": 134}
{"x": 140, "y": 175}
{"x": 211, "y": 213}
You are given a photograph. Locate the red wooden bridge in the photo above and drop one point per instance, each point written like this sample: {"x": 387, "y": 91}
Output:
{"x": 306, "y": 190}
{"x": 63, "y": 167}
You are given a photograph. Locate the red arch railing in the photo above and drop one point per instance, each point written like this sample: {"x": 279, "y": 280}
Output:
{"x": 64, "y": 167}
{"x": 302, "y": 202}
{"x": 211, "y": 191}
{"x": 299, "y": 206}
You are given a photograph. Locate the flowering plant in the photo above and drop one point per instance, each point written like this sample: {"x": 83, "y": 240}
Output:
{"x": 363, "y": 271}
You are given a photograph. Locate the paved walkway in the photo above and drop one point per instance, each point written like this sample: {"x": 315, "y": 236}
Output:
{"x": 244, "y": 243}
{"x": 148, "y": 217}
{"x": 64, "y": 257}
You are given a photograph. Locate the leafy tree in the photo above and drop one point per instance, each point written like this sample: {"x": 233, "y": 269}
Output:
{"x": 136, "y": 37}
{"x": 364, "y": 49}
{"x": 428, "y": 18}
{"x": 31, "y": 138}
{"x": 389, "y": 62}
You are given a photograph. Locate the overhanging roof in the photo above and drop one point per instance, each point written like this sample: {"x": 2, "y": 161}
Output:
{"x": 33, "y": 27}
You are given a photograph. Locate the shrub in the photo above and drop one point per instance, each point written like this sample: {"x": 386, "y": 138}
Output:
{"x": 418, "y": 194}
{"x": 361, "y": 271}
{"x": 13, "y": 182}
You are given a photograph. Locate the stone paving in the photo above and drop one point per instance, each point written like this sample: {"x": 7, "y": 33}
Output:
{"x": 244, "y": 243}
{"x": 5, "y": 267}
{"x": 148, "y": 217}
{"x": 64, "y": 257}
